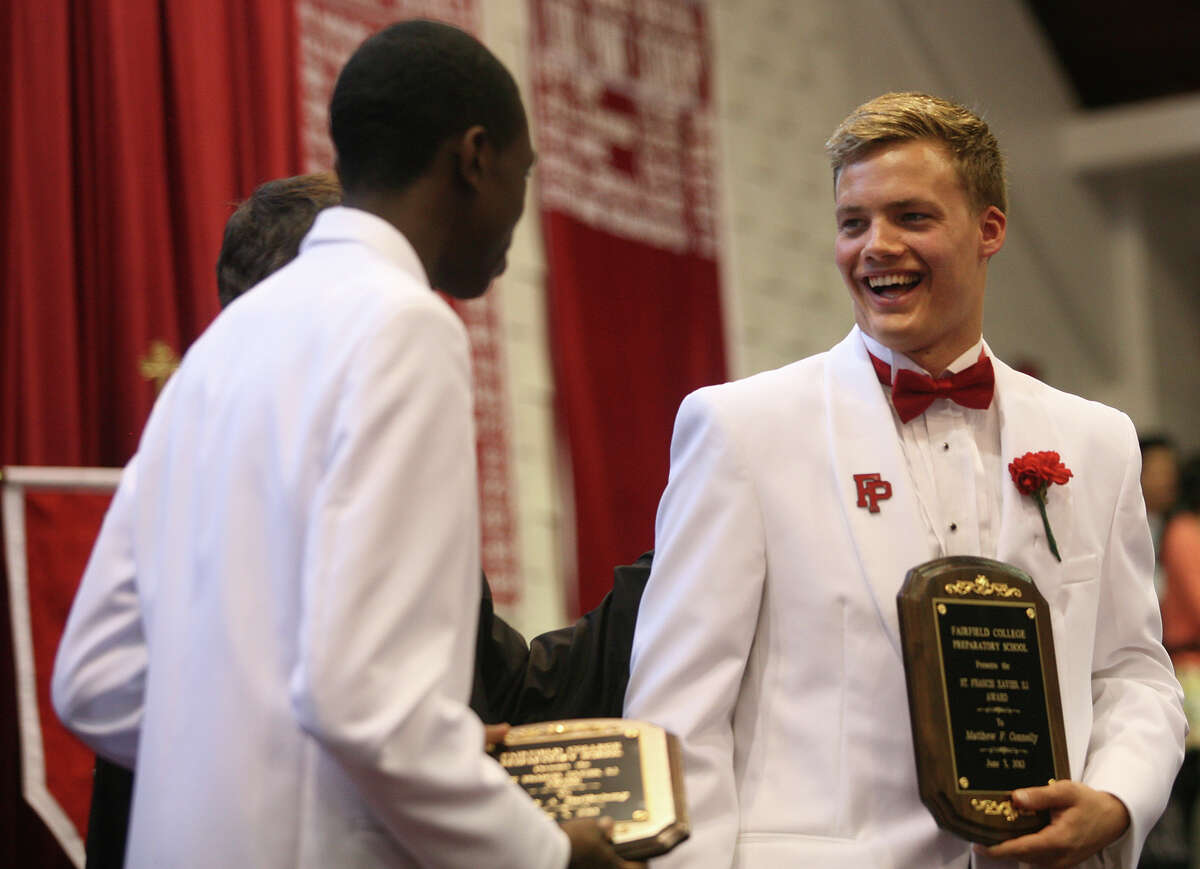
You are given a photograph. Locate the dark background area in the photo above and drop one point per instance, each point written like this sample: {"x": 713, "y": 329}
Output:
{"x": 1117, "y": 52}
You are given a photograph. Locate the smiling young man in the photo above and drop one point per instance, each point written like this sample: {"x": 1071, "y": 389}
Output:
{"x": 768, "y": 637}
{"x": 277, "y": 622}
{"x": 913, "y": 246}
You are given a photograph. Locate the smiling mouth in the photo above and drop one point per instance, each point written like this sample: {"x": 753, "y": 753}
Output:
{"x": 891, "y": 286}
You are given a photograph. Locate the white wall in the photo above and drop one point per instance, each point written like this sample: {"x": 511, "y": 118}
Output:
{"x": 1080, "y": 287}
{"x": 538, "y": 503}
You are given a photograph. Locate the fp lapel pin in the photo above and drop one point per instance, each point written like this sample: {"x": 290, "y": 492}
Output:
{"x": 871, "y": 489}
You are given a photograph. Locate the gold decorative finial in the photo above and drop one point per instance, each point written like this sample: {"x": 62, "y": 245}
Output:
{"x": 158, "y": 364}
{"x": 983, "y": 587}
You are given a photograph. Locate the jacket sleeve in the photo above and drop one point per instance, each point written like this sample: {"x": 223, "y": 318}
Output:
{"x": 698, "y": 619}
{"x": 99, "y": 676}
{"x": 581, "y": 671}
{"x": 501, "y": 660}
{"x": 1138, "y": 726}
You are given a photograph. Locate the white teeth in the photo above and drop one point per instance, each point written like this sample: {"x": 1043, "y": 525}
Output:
{"x": 876, "y": 282}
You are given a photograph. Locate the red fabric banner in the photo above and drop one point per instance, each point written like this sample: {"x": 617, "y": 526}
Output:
{"x": 59, "y": 529}
{"x": 627, "y": 181}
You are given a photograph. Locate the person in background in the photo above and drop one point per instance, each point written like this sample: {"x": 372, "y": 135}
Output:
{"x": 1174, "y": 494}
{"x": 265, "y": 231}
{"x": 577, "y": 671}
{"x": 284, "y": 655}
{"x": 1180, "y": 556}
{"x": 798, "y": 499}
{"x": 1160, "y": 489}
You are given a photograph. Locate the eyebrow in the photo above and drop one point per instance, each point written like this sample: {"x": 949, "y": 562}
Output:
{"x": 911, "y": 202}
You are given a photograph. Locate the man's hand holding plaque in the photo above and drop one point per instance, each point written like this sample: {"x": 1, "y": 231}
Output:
{"x": 625, "y": 770}
{"x": 592, "y": 845}
{"x": 1082, "y": 819}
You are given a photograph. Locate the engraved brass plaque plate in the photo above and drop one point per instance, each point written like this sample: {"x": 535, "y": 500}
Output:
{"x": 627, "y": 770}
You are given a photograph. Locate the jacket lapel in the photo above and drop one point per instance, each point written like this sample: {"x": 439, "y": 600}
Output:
{"x": 1026, "y": 426}
{"x": 862, "y": 439}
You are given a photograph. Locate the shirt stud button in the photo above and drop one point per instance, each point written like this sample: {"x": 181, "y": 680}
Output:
{"x": 945, "y": 446}
{"x": 953, "y": 526}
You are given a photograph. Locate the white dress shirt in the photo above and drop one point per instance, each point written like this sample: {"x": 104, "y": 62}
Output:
{"x": 953, "y": 454}
{"x": 277, "y": 622}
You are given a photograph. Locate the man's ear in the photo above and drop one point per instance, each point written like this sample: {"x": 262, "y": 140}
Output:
{"x": 992, "y": 226}
{"x": 473, "y": 154}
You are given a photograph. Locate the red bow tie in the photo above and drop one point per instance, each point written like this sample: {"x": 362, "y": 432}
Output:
{"x": 913, "y": 392}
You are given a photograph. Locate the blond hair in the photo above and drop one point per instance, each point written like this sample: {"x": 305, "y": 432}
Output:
{"x": 901, "y": 117}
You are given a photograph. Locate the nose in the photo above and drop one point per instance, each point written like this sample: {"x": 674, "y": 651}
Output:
{"x": 882, "y": 241}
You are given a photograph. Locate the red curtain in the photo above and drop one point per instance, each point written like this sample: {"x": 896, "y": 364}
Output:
{"x": 127, "y": 129}
{"x": 633, "y": 329}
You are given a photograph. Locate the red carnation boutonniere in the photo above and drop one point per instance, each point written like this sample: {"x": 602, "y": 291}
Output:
{"x": 1033, "y": 474}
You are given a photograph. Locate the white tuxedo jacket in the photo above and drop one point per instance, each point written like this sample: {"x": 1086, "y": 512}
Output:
{"x": 768, "y": 637}
{"x": 277, "y": 624}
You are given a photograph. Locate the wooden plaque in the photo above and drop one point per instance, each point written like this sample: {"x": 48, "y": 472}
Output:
{"x": 627, "y": 770}
{"x": 983, "y": 694}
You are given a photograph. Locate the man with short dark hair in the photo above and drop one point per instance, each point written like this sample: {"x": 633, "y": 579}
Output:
{"x": 577, "y": 671}
{"x": 286, "y": 655}
{"x": 768, "y": 637}
{"x": 573, "y": 672}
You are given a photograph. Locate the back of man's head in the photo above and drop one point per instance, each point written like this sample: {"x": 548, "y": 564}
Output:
{"x": 265, "y": 231}
{"x": 1189, "y": 485}
{"x": 408, "y": 89}
{"x": 1155, "y": 440}
{"x": 901, "y": 117}
{"x": 1160, "y": 472}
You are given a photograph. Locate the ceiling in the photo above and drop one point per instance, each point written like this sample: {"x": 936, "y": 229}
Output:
{"x": 1116, "y": 51}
